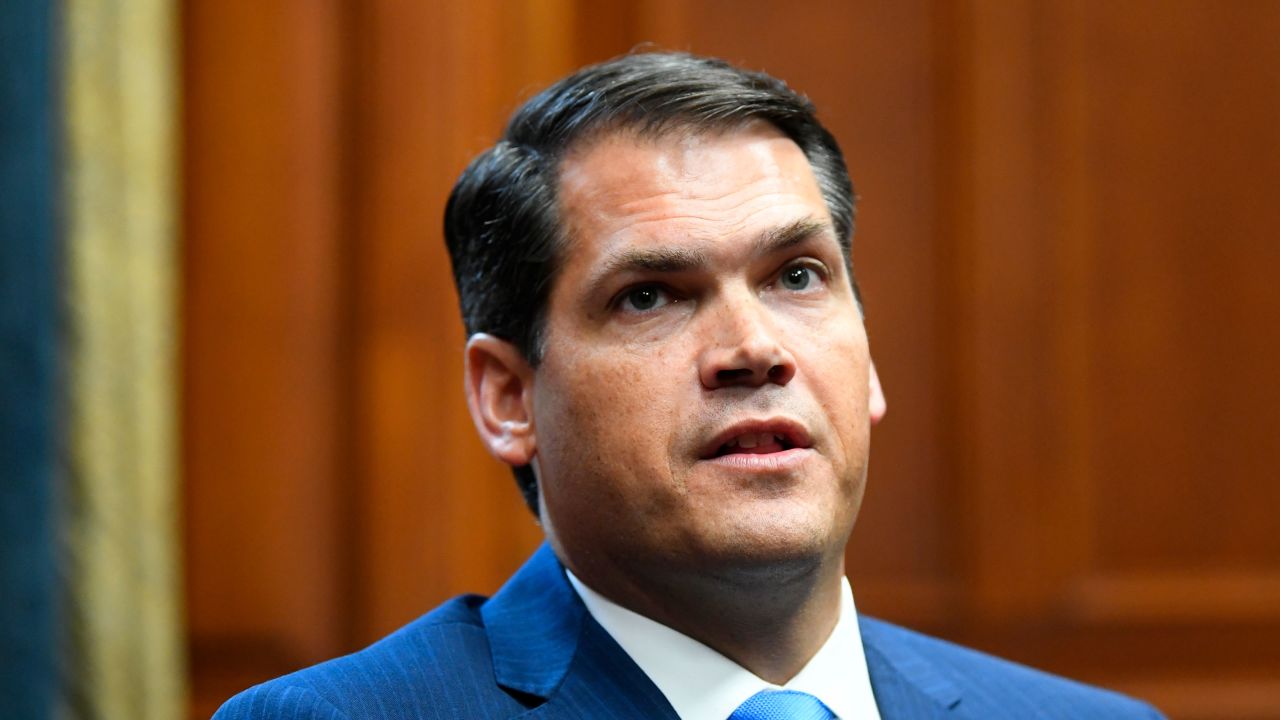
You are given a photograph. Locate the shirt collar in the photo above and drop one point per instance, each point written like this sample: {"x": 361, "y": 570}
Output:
{"x": 702, "y": 684}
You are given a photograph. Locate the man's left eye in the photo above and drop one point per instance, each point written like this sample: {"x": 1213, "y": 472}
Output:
{"x": 797, "y": 277}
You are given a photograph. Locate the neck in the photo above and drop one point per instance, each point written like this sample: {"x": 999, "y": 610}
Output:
{"x": 771, "y": 622}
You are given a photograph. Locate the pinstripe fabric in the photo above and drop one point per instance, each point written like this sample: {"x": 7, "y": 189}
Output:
{"x": 534, "y": 652}
{"x": 916, "y": 676}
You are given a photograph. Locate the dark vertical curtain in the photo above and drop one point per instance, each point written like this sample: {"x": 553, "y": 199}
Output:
{"x": 28, "y": 359}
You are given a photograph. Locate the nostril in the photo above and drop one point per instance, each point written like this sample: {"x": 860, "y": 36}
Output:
{"x": 777, "y": 373}
{"x": 729, "y": 377}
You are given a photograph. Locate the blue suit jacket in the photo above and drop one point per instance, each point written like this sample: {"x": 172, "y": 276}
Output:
{"x": 534, "y": 652}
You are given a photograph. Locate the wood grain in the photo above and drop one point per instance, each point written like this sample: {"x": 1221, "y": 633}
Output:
{"x": 1066, "y": 244}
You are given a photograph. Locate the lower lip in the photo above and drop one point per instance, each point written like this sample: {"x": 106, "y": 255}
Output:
{"x": 763, "y": 462}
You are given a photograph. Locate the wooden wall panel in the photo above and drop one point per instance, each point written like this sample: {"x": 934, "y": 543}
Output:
{"x": 1015, "y": 312}
{"x": 437, "y": 516}
{"x": 1188, "y": 230}
{"x": 261, "y": 333}
{"x": 1114, "y": 343}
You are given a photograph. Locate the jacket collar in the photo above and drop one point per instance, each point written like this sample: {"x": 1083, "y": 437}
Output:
{"x": 537, "y": 627}
{"x": 533, "y": 624}
{"x": 545, "y": 644}
{"x": 904, "y": 680}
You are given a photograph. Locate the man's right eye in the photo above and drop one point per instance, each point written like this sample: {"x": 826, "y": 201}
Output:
{"x": 643, "y": 298}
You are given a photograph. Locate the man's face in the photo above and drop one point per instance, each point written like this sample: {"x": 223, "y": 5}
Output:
{"x": 702, "y": 400}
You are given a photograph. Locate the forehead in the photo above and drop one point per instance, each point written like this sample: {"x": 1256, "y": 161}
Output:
{"x": 622, "y": 188}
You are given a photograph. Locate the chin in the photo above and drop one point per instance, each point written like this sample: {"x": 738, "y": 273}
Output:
{"x": 777, "y": 548}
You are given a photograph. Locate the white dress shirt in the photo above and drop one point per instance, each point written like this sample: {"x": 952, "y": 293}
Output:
{"x": 702, "y": 684}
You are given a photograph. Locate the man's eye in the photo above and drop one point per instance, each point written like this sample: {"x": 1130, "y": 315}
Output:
{"x": 797, "y": 277}
{"x": 644, "y": 298}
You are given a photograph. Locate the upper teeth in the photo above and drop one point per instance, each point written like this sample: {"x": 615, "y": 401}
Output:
{"x": 753, "y": 439}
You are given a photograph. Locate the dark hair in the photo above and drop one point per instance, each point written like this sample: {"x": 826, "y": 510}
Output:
{"x": 502, "y": 223}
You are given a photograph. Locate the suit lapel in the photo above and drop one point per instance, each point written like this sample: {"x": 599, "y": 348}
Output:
{"x": 546, "y": 645}
{"x": 604, "y": 682}
{"x": 905, "y": 684}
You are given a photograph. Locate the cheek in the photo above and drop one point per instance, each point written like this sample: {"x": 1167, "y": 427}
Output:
{"x": 839, "y": 371}
{"x": 608, "y": 419}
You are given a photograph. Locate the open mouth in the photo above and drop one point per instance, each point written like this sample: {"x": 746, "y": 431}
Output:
{"x": 755, "y": 444}
{"x": 757, "y": 437}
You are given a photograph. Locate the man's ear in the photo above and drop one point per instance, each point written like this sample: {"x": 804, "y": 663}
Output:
{"x": 875, "y": 398}
{"x": 500, "y": 396}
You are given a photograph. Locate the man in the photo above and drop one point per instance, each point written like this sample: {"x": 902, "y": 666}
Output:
{"x": 666, "y": 343}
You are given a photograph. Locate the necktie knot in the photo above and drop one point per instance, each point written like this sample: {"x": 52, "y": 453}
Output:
{"x": 782, "y": 705}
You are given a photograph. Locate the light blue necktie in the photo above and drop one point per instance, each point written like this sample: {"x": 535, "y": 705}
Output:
{"x": 782, "y": 705}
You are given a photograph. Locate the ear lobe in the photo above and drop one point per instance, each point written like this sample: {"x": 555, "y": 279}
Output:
{"x": 499, "y": 390}
{"x": 876, "y": 403}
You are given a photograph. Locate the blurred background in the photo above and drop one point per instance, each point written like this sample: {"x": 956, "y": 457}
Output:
{"x": 234, "y": 440}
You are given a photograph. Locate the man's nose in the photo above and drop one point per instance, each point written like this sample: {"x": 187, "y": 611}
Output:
{"x": 744, "y": 348}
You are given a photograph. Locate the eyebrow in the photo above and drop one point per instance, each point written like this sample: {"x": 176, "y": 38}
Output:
{"x": 674, "y": 259}
{"x": 790, "y": 235}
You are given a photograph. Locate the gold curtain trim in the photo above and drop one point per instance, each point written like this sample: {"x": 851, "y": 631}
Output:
{"x": 121, "y": 527}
